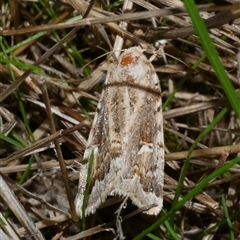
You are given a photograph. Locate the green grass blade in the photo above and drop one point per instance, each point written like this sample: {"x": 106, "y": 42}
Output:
{"x": 10, "y": 140}
{"x": 188, "y": 158}
{"x": 190, "y": 195}
{"x": 212, "y": 55}
{"x": 86, "y": 192}
{"x": 229, "y": 223}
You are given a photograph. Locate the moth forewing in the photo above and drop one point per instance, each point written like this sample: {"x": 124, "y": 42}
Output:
{"x": 127, "y": 137}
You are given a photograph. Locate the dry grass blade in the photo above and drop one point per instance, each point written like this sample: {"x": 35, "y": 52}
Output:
{"x": 18, "y": 210}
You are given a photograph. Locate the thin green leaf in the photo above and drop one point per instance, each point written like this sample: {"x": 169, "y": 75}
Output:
{"x": 190, "y": 195}
{"x": 86, "y": 192}
{"x": 188, "y": 158}
{"x": 212, "y": 55}
{"x": 229, "y": 223}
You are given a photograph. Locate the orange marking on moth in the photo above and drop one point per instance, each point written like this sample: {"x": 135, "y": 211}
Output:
{"x": 127, "y": 60}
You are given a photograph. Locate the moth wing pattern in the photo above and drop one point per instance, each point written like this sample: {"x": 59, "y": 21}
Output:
{"x": 126, "y": 137}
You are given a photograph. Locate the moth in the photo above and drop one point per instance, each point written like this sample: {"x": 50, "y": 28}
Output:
{"x": 126, "y": 138}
